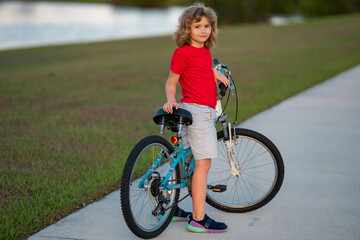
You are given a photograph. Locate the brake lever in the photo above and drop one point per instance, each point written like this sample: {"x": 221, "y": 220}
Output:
{"x": 232, "y": 87}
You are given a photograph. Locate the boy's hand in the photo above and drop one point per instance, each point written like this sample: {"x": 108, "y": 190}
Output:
{"x": 168, "y": 107}
{"x": 219, "y": 76}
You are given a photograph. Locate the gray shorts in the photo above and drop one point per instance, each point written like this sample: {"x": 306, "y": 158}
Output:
{"x": 201, "y": 134}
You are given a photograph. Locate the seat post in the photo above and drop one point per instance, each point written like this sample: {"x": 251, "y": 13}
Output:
{"x": 162, "y": 125}
{"x": 180, "y": 125}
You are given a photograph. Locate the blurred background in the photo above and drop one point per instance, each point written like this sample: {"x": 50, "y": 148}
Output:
{"x": 39, "y": 23}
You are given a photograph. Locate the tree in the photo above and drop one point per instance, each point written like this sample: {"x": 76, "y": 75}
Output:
{"x": 324, "y": 7}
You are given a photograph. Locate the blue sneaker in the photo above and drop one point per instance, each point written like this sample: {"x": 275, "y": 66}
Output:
{"x": 179, "y": 215}
{"x": 207, "y": 225}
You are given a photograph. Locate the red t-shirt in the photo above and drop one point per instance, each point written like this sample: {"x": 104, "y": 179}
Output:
{"x": 197, "y": 78}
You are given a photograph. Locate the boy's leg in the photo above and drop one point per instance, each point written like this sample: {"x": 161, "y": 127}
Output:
{"x": 199, "y": 187}
{"x": 199, "y": 221}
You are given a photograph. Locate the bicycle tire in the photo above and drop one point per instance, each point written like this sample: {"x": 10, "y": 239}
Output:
{"x": 139, "y": 218}
{"x": 261, "y": 173}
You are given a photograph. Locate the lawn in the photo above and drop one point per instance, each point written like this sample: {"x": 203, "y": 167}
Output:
{"x": 70, "y": 115}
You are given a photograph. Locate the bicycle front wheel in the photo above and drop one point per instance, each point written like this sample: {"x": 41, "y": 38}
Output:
{"x": 260, "y": 175}
{"x": 141, "y": 197}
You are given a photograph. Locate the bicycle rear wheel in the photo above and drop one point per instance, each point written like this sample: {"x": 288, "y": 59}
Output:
{"x": 141, "y": 197}
{"x": 261, "y": 170}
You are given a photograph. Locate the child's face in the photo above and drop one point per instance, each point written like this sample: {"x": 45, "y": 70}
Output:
{"x": 200, "y": 32}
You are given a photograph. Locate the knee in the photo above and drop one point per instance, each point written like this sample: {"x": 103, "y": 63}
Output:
{"x": 203, "y": 165}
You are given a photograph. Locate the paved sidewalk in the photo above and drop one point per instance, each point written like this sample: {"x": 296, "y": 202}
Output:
{"x": 318, "y": 134}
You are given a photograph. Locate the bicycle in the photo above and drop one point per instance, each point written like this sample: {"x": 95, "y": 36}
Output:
{"x": 247, "y": 174}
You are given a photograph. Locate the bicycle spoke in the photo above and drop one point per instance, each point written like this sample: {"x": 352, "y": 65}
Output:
{"x": 254, "y": 187}
{"x": 247, "y": 188}
{"x": 137, "y": 194}
{"x": 243, "y": 152}
{"x": 137, "y": 199}
{"x": 223, "y": 154}
{"x": 251, "y": 159}
{"x": 242, "y": 191}
{"x": 259, "y": 166}
{"x": 221, "y": 181}
{"x": 221, "y": 169}
{"x": 247, "y": 157}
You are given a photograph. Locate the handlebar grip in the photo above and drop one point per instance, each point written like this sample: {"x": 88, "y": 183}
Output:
{"x": 222, "y": 89}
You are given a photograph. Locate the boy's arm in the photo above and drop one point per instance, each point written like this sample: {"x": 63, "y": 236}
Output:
{"x": 170, "y": 90}
{"x": 221, "y": 77}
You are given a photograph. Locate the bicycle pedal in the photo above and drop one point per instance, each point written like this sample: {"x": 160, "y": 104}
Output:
{"x": 217, "y": 188}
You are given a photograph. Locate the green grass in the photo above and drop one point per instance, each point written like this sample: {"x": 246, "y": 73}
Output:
{"x": 70, "y": 115}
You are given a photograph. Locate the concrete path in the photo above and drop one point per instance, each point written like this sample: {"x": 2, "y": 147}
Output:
{"x": 318, "y": 134}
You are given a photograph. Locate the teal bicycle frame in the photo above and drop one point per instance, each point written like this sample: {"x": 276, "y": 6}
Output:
{"x": 179, "y": 155}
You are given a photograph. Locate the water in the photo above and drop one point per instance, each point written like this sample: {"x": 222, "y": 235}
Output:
{"x": 281, "y": 20}
{"x": 28, "y": 24}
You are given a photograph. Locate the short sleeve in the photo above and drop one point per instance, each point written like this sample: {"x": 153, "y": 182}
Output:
{"x": 178, "y": 62}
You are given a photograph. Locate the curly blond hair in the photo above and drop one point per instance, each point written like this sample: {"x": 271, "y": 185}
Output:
{"x": 191, "y": 14}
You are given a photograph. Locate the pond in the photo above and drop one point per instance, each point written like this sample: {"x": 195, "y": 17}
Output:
{"x": 29, "y": 24}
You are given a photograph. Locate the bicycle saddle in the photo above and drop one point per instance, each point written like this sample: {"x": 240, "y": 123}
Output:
{"x": 174, "y": 121}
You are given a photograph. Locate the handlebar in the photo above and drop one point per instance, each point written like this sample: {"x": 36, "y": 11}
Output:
{"x": 222, "y": 87}
{"x": 225, "y": 71}
{"x": 216, "y": 62}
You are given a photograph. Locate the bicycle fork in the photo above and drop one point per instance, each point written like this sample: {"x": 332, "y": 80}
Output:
{"x": 230, "y": 141}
